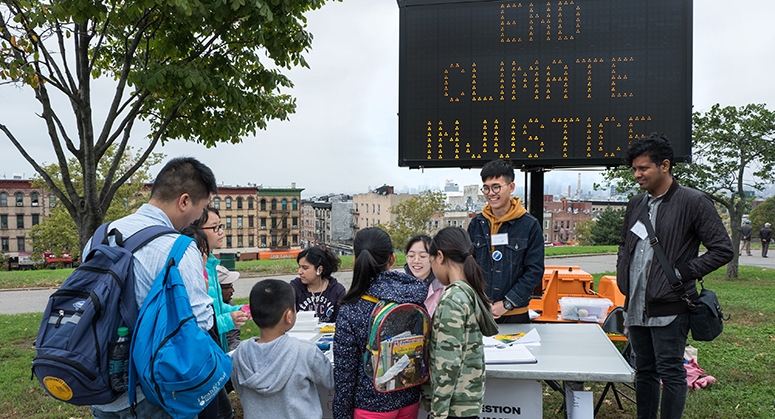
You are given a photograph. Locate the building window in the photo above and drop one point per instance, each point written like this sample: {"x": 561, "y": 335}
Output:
{"x": 5, "y": 247}
{"x": 274, "y": 204}
{"x": 263, "y": 223}
{"x": 274, "y": 222}
{"x": 20, "y": 221}
{"x": 250, "y": 221}
{"x": 378, "y": 210}
{"x": 20, "y": 244}
{"x": 239, "y": 221}
{"x": 239, "y": 241}
{"x": 250, "y": 202}
{"x": 228, "y": 203}
{"x": 295, "y": 204}
{"x": 372, "y": 208}
{"x": 239, "y": 202}
{"x": 274, "y": 240}
{"x": 251, "y": 241}
{"x": 4, "y": 222}
{"x": 285, "y": 222}
{"x": 295, "y": 239}
{"x": 35, "y": 219}
{"x": 217, "y": 203}
{"x": 228, "y": 223}
{"x": 34, "y": 199}
{"x": 367, "y": 208}
{"x": 52, "y": 200}
{"x": 285, "y": 204}
{"x": 3, "y": 199}
{"x": 228, "y": 241}
{"x": 285, "y": 241}
{"x": 19, "y": 199}
{"x": 295, "y": 222}
{"x": 263, "y": 241}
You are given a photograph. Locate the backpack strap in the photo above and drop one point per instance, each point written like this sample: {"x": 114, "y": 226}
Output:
{"x": 370, "y": 298}
{"x": 148, "y": 234}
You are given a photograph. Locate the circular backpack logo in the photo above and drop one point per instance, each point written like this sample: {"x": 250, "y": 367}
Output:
{"x": 58, "y": 388}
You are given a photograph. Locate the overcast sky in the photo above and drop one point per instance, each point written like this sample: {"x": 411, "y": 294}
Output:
{"x": 343, "y": 136}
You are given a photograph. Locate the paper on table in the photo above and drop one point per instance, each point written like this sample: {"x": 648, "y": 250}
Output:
{"x": 514, "y": 354}
{"x": 531, "y": 338}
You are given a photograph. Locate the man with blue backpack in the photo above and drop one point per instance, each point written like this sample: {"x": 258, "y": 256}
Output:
{"x": 180, "y": 193}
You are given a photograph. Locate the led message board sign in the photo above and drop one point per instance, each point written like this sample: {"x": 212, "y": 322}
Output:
{"x": 561, "y": 83}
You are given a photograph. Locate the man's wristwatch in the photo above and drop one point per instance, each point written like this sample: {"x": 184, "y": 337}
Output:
{"x": 507, "y": 304}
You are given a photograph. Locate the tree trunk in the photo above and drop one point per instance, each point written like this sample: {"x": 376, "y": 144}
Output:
{"x": 732, "y": 268}
{"x": 87, "y": 223}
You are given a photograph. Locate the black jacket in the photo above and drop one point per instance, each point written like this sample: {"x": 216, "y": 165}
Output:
{"x": 765, "y": 234}
{"x": 686, "y": 218}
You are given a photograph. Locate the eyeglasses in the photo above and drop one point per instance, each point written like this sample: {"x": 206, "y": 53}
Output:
{"x": 423, "y": 256}
{"x": 227, "y": 287}
{"x": 494, "y": 188}
{"x": 215, "y": 229}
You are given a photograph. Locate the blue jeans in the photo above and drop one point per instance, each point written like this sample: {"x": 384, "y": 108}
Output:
{"x": 659, "y": 355}
{"x": 143, "y": 410}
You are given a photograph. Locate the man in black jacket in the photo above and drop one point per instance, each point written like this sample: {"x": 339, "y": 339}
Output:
{"x": 766, "y": 235}
{"x": 657, "y": 315}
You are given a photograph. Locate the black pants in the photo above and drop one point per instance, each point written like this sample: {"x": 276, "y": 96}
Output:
{"x": 518, "y": 318}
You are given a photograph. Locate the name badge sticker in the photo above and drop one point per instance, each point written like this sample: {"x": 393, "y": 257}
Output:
{"x": 640, "y": 230}
{"x": 498, "y": 239}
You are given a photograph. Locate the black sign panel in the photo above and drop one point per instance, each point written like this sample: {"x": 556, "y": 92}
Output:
{"x": 558, "y": 83}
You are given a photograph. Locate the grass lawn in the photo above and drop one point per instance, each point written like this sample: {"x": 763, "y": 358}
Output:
{"x": 55, "y": 277}
{"x": 742, "y": 360}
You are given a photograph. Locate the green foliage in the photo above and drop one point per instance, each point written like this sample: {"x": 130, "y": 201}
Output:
{"x": 207, "y": 72}
{"x": 608, "y": 228}
{"x": 583, "y": 232}
{"x": 55, "y": 234}
{"x": 413, "y": 217}
{"x": 764, "y": 213}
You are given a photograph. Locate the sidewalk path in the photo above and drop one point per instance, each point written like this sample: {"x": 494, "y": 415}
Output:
{"x": 34, "y": 301}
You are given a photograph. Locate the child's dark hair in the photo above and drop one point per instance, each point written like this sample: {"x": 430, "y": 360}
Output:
{"x": 373, "y": 249}
{"x": 456, "y": 246}
{"x": 656, "y": 146}
{"x": 202, "y": 220}
{"x": 321, "y": 258}
{"x": 199, "y": 237}
{"x": 496, "y": 169}
{"x": 269, "y": 300}
{"x": 426, "y": 241}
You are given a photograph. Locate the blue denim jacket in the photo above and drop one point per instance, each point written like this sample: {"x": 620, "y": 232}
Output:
{"x": 520, "y": 269}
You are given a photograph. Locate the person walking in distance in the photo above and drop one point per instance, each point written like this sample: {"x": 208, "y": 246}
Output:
{"x": 765, "y": 235}
{"x": 745, "y": 237}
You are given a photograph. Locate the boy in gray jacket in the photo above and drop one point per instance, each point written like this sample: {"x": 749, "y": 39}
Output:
{"x": 275, "y": 374}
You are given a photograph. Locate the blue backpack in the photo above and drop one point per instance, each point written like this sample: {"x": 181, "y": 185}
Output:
{"x": 178, "y": 365}
{"x": 83, "y": 316}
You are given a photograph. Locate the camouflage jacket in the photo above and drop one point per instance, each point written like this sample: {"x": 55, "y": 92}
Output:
{"x": 456, "y": 354}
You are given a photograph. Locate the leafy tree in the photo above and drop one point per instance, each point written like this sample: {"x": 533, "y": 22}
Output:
{"x": 764, "y": 213}
{"x": 583, "y": 231}
{"x": 608, "y": 227}
{"x": 58, "y": 232}
{"x": 413, "y": 217}
{"x": 733, "y": 152}
{"x": 55, "y": 234}
{"x": 190, "y": 69}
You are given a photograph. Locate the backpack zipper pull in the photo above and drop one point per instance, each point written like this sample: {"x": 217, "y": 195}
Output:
{"x": 59, "y": 320}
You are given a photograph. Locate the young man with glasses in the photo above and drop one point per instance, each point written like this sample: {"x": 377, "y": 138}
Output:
{"x": 508, "y": 245}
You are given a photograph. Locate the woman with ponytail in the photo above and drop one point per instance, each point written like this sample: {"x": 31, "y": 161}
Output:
{"x": 355, "y": 395}
{"x": 462, "y": 317}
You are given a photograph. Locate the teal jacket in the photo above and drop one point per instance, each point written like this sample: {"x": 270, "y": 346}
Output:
{"x": 222, "y": 310}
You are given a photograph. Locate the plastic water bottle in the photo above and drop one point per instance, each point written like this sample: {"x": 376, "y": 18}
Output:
{"x": 118, "y": 361}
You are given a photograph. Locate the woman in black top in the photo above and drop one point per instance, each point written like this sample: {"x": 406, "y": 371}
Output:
{"x": 316, "y": 290}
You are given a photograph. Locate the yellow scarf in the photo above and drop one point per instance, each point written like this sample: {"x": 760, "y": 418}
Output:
{"x": 516, "y": 211}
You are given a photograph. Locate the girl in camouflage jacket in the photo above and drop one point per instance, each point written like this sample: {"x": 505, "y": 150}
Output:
{"x": 462, "y": 317}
